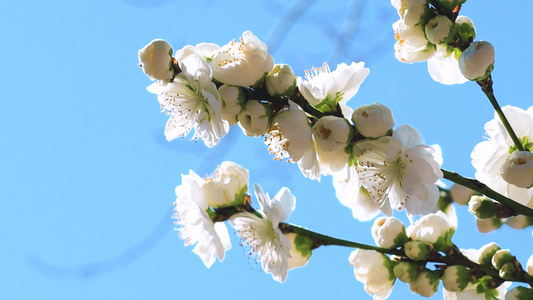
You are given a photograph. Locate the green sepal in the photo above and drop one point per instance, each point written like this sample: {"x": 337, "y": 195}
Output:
{"x": 304, "y": 245}
{"x": 328, "y": 104}
{"x": 526, "y": 144}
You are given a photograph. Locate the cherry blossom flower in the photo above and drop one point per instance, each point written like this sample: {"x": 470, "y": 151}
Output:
{"x": 242, "y": 63}
{"x": 192, "y": 101}
{"x": 374, "y": 270}
{"x": 156, "y": 60}
{"x": 489, "y": 156}
{"x": 400, "y": 169}
{"x": 196, "y": 227}
{"x": 262, "y": 234}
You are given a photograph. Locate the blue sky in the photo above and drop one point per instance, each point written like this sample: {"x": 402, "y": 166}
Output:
{"x": 88, "y": 178}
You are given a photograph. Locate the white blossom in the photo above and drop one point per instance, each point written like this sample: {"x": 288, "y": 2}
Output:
{"x": 373, "y": 120}
{"x": 192, "y": 101}
{"x": 460, "y": 194}
{"x": 254, "y": 118}
{"x": 205, "y": 51}
{"x": 227, "y": 186}
{"x": 242, "y": 63}
{"x": 529, "y": 265}
{"x": 388, "y": 232}
{"x": 232, "y": 102}
{"x": 291, "y": 137}
{"x": 438, "y": 29}
{"x": 518, "y": 169}
{"x": 443, "y": 67}
{"x": 262, "y": 233}
{"x": 156, "y": 60}
{"x": 489, "y": 156}
{"x": 400, "y": 169}
{"x": 373, "y": 269}
{"x": 280, "y": 81}
{"x": 321, "y": 86}
{"x": 477, "y": 61}
{"x": 425, "y": 284}
{"x": 434, "y": 229}
{"x": 411, "y": 43}
{"x": 196, "y": 227}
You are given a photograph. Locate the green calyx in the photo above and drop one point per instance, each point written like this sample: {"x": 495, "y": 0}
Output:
{"x": 526, "y": 144}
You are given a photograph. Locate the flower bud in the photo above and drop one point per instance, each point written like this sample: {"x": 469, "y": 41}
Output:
{"x": 519, "y": 222}
{"x": 477, "y": 61}
{"x": 228, "y": 186}
{"x": 373, "y": 121}
{"x": 232, "y": 102}
{"x": 481, "y": 207}
{"x": 156, "y": 60}
{"x": 508, "y": 271}
{"x": 501, "y": 257}
{"x": 374, "y": 270}
{"x": 281, "y": 81}
{"x": 388, "y": 232}
{"x": 332, "y": 133}
{"x": 426, "y": 284}
{"x": 416, "y": 250}
{"x": 432, "y": 229}
{"x": 405, "y": 271}
{"x": 456, "y": 278}
{"x": 519, "y": 293}
{"x": 518, "y": 169}
{"x": 438, "y": 29}
{"x": 487, "y": 252}
{"x": 488, "y": 225}
{"x": 254, "y": 118}
{"x": 460, "y": 194}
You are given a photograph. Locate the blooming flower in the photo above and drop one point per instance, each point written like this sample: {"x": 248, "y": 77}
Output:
{"x": 242, "y": 63}
{"x": 290, "y": 137}
{"x": 325, "y": 89}
{"x": 192, "y": 101}
{"x": 374, "y": 270}
{"x": 400, "y": 169}
{"x": 262, "y": 233}
{"x": 211, "y": 239}
{"x": 489, "y": 156}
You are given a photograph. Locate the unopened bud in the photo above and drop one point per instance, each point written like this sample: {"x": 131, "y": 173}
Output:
{"x": 487, "y": 252}
{"x": 426, "y": 284}
{"x": 405, "y": 271}
{"x": 232, "y": 102}
{"x": 373, "y": 121}
{"x": 254, "y": 118}
{"x": 518, "y": 169}
{"x": 519, "y": 293}
{"x": 416, "y": 250}
{"x": 481, "y": 207}
{"x": 388, "y": 232}
{"x": 456, "y": 278}
{"x": 460, "y": 194}
{"x": 488, "y": 225}
{"x": 477, "y": 61}
{"x": 438, "y": 29}
{"x": 156, "y": 60}
{"x": 501, "y": 257}
{"x": 281, "y": 81}
{"x": 332, "y": 133}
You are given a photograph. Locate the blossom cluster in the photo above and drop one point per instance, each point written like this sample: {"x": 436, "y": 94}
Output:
{"x": 432, "y": 31}
{"x": 307, "y": 121}
{"x": 203, "y": 204}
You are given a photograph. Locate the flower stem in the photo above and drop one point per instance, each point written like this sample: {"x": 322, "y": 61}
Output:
{"x": 324, "y": 240}
{"x": 485, "y": 190}
{"x": 486, "y": 87}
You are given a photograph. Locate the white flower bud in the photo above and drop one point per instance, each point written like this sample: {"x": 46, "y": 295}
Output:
{"x": 487, "y": 252}
{"x": 460, "y": 194}
{"x": 432, "y": 229}
{"x": 530, "y": 265}
{"x": 488, "y": 225}
{"x": 501, "y": 257}
{"x": 156, "y": 60}
{"x": 519, "y": 222}
{"x": 519, "y": 293}
{"x": 477, "y": 61}
{"x": 388, "y": 232}
{"x": 456, "y": 278}
{"x": 425, "y": 284}
{"x": 416, "y": 250}
{"x": 254, "y": 118}
{"x": 332, "y": 133}
{"x": 228, "y": 186}
{"x": 232, "y": 101}
{"x": 405, "y": 271}
{"x": 373, "y": 121}
{"x": 438, "y": 29}
{"x": 373, "y": 269}
{"x": 281, "y": 81}
{"x": 518, "y": 169}
{"x": 481, "y": 207}
{"x": 300, "y": 251}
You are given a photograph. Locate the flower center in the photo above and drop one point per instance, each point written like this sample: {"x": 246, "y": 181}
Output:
{"x": 315, "y": 72}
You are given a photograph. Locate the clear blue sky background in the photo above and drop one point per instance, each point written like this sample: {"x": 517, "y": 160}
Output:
{"x": 87, "y": 177}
